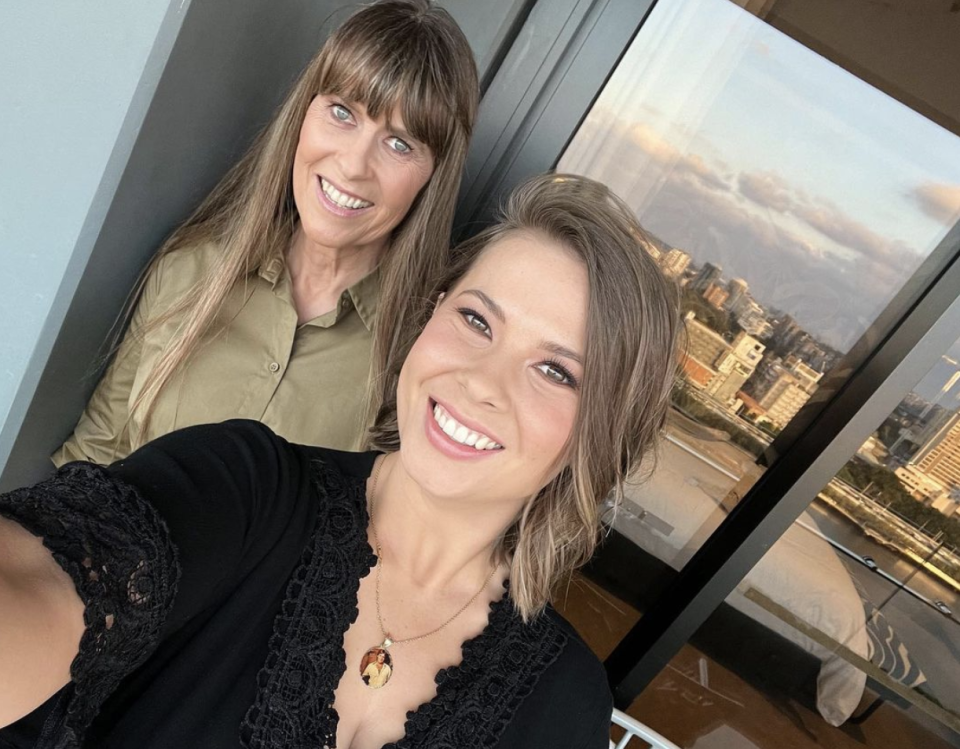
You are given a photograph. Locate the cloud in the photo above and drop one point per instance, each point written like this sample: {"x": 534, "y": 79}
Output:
{"x": 766, "y": 189}
{"x": 800, "y": 253}
{"x": 835, "y": 223}
{"x": 939, "y": 201}
{"x": 771, "y": 191}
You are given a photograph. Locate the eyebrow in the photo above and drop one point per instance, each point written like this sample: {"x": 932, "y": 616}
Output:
{"x": 402, "y": 132}
{"x": 497, "y": 310}
{"x": 556, "y": 348}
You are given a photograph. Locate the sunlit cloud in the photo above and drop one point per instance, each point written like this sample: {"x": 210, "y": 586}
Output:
{"x": 766, "y": 189}
{"x": 939, "y": 201}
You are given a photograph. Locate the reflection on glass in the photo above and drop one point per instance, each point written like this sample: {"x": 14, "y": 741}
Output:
{"x": 790, "y": 201}
{"x": 854, "y": 612}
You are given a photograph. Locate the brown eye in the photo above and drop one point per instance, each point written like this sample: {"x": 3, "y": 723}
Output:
{"x": 556, "y": 372}
{"x": 475, "y": 320}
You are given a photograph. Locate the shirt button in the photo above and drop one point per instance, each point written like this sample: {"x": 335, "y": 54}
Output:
{"x": 274, "y": 367}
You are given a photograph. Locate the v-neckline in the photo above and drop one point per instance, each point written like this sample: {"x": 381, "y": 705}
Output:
{"x": 306, "y": 659}
{"x": 495, "y": 608}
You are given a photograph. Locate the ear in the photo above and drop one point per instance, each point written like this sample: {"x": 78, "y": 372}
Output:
{"x": 436, "y": 304}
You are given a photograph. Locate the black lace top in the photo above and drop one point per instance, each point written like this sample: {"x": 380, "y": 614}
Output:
{"x": 219, "y": 566}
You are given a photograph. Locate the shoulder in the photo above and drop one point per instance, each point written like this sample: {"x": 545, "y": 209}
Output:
{"x": 341, "y": 463}
{"x": 571, "y": 704}
{"x": 238, "y": 461}
{"x": 176, "y": 272}
{"x": 196, "y": 258}
{"x": 578, "y": 664}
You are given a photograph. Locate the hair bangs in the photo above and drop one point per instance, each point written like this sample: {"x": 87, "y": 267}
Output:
{"x": 389, "y": 82}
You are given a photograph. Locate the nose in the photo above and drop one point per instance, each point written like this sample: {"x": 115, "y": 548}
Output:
{"x": 356, "y": 157}
{"x": 486, "y": 382}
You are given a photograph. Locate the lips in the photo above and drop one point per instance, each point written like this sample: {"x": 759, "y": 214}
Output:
{"x": 461, "y": 433}
{"x": 342, "y": 199}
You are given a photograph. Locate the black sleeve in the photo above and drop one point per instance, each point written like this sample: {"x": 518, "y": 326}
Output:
{"x": 571, "y": 706}
{"x": 155, "y": 538}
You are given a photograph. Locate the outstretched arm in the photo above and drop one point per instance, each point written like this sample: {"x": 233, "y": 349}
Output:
{"x": 41, "y": 621}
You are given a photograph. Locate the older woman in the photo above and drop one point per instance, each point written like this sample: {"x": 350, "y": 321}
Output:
{"x": 222, "y": 585}
{"x": 270, "y": 302}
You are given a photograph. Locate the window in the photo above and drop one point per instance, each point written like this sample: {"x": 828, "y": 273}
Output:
{"x": 791, "y": 198}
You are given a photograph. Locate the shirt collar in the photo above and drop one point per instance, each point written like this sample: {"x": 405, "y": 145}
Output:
{"x": 271, "y": 270}
{"x": 364, "y": 294}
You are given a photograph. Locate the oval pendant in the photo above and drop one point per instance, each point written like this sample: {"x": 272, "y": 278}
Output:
{"x": 376, "y": 666}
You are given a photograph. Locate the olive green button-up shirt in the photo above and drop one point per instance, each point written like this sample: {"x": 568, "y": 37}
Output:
{"x": 306, "y": 382}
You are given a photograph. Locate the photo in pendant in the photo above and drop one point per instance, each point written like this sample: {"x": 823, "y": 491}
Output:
{"x": 376, "y": 667}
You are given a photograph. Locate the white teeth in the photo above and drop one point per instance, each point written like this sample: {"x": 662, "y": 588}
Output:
{"x": 344, "y": 201}
{"x": 459, "y": 433}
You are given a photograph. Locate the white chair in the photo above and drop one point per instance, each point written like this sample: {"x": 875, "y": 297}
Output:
{"x": 636, "y": 728}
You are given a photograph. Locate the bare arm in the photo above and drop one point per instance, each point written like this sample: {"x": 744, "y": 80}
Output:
{"x": 41, "y": 622}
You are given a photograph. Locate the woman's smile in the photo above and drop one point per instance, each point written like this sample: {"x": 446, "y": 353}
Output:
{"x": 341, "y": 197}
{"x": 494, "y": 373}
{"x": 455, "y": 438}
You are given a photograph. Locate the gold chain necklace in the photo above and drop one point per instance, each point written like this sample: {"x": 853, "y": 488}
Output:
{"x": 376, "y": 665}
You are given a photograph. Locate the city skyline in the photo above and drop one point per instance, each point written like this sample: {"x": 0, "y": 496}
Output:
{"x": 741, "y": 147}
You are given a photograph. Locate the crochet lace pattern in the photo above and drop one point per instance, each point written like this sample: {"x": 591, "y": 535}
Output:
{"x": 117, "y": 551}
{"x": 119, "y": 554}
{"x": 475, "y": 700}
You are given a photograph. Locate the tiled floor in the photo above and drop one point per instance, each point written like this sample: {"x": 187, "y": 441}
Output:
{"x": 699, "y": 704}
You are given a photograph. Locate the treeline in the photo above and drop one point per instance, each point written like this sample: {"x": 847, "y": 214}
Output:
{"x": 690, "y": 406}
{"x": 883, "y": 485}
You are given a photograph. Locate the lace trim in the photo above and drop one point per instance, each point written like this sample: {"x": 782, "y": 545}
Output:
{"x": 475, "y": 700}
{"x": 478, "y": 698}
{"x": 118, "y": 552}
{"x": 294, "y": 703}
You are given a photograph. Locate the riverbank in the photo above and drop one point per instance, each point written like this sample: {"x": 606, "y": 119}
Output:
{"x": 890, "y": 534}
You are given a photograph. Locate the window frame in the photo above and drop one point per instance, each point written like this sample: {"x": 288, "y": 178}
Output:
{"x": 548, "y": 81}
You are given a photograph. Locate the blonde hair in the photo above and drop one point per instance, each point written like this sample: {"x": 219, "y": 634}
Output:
{"x": 405, "y": 56}
{"x": 633, "y": 333}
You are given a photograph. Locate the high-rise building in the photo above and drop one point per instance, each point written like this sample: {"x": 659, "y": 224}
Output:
{"x": 736, "y": 289}
{"x": 782, "y": 387}
{"x": 736, "y": 366}
{"x": 786, "y": 331}
{"x": 707, "y": 275}
{"x": 752, "y": 318}
{"x": 716, "y": 367}
{"x": 674, "y": 263}
{"x": 715, "y": 295}
{"x": 939, "y": 457}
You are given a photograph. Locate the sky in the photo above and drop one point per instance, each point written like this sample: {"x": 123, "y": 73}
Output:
{"x": 744, "y": 148}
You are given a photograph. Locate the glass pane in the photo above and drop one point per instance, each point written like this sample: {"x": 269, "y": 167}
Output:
{"x": 847, "y": 632}
{"x": 791, "y": 198}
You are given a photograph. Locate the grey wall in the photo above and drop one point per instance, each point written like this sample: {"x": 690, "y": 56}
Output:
{"x": 124, "y": 115}
{"x": 75, "y": 81}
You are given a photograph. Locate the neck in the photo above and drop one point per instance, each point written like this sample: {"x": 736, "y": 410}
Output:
{"x": 437, "y": 545}
{"x": 319, "y": 274}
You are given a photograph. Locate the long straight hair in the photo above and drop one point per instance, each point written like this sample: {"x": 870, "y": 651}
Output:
{"x": 633, "y": 338}
{"x": 405, "y": 56}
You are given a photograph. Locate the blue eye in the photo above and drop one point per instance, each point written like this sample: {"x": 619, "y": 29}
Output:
{"x": 341, "y": 112}
{"x": 475, "y": 320}
{"x": 556, "y": 372}
{"x": 400, "y": 146}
